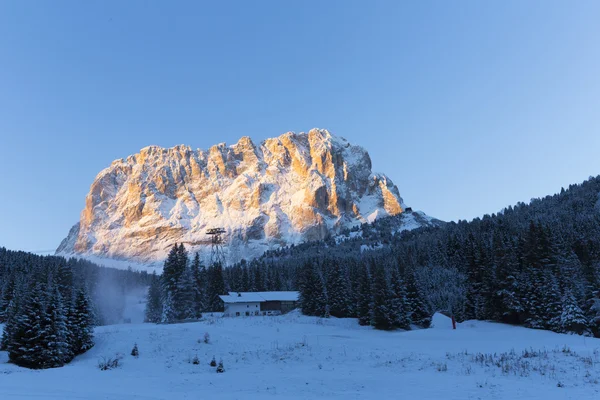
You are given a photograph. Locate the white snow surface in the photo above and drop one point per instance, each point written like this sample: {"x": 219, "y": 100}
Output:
{"x": 299, "y": 357}
{"x": 247, "y": 297}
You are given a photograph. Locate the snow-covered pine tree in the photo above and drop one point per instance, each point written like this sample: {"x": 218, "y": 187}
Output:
{"x": 54, "y": 335}
{"x": 505, "y": 299}
{"x": 83, "y": 323}
{"x": 397, "y": 303}
{"x": 216, "y": 287}
{"x": 594, "y": 313}
{"x": 313, "y": 298}
{"x": 306, "y": 288}
{"x": 381, "y": 315}
{"x": 337, "y": 290}
{"x": 169, "y": 314}
{"x": 170, "y": 274}
{"x": 8, "y": 293}
{"x": 154, "y": 306}
{"x": 199, "y": 285}
{"x": 185, "y": 296}
{"x": 418, "y": 313}
{"x": 24, "y": 344}
{"x": 552, "y": 302}
{"x": 135, "y": 352}
{"x": 572, "y": 318}
{"x": 364, "y": 297}
{"x": 11, "y": 323}
{"x": 533, "y": 278}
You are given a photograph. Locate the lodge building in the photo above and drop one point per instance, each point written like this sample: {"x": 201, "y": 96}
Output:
{"x": 245, "y": 304}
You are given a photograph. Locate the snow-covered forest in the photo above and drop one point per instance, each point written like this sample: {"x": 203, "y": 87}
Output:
{"x": 535, "y": 264}
{"x": 50, "y": 305}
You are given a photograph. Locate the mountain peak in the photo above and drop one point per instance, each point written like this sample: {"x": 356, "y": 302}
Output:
{"x": 288, "y": 189}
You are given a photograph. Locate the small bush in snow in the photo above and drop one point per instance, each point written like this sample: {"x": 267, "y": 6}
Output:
{"x": 213, "y": 362}
{"x": 109, "y": 363}
{"x": 195, "y": 360}
{"x": 206, "y": 338}
{"x": 135, "y": 352}
{"x": 220, "y": 368}
{"x": 442, "y": 367}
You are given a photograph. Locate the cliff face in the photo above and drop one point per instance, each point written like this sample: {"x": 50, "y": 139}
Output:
{"x": 288, "y": 189}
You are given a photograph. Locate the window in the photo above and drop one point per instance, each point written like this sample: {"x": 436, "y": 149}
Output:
{"x": 237, "y": 314}
{"x": 247, "y": 305}
{"x": 247, "y": 313}
{"x": 256, "y": 306}
{"x": 255, "y": 312}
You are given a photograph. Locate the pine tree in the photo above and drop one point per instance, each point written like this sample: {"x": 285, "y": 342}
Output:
{"x": 135, "y": 352}
{"x": 185, "y": 296}
{"x": 12, "y": 321}
{"x": 199, "y": 285}
{"x": 216, "y": 287}
{"x": 364, "y": 298}
{"x": 397, "y": 304}
{"x": 24, "y": 344}
{"x": 83, "y": 323}
{"x": 418, "y": 312}
{"x": 307, "y": 289}
{"x": 154, "y": 306}
{"x": 572, "y": 318}
{"x": 313, "y": 299}
{"x": 381, "y": 315}
{"x": 337, "y": 290}
{"x": 54, "y": 334}
{"x": 169, "y": 314}
{"x": 552, "y": 304}
{"x": 8, "y": 293}
{"x": 170, "y": 274}
{"x": 594, "y": 313}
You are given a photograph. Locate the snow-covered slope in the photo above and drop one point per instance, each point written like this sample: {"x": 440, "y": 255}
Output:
{"x": 289, "y": 189}
{"x": 298, "y": 357}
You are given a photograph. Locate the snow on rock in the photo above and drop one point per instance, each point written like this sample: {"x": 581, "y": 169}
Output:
{"x": 285, "y": 190}
{"x": 298, "y": 357}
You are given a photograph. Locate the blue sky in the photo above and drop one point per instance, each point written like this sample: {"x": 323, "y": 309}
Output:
{"x": 467, "y": 106}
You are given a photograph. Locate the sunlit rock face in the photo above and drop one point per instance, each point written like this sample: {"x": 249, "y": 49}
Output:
{"x": 288, "y": 189}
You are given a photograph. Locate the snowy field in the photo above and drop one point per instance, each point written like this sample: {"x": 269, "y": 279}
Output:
{"x": 297, "y": 357}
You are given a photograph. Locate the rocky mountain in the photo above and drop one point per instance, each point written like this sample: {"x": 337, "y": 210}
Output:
{"x": 289, "y": 189}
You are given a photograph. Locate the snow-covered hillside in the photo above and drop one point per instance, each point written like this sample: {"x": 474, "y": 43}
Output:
{"x": 298, "y": 357}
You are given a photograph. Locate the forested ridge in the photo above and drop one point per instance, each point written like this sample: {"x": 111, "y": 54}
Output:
{"x": 535, "y": 264}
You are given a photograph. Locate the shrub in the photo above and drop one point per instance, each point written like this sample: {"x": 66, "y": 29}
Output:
{"x": 109, "y": 363}
{"x": 206, "y": 338}
{"x": 195, "y": 360}
{"x": 213, "y": 362}
{"x": 220, "y": 368}
{"x": 135, "y": 352}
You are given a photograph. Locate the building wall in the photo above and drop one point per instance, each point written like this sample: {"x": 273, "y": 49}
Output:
{"x": 240, "y": 309}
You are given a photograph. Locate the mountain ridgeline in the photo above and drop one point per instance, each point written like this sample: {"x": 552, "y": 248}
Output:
{"x": 285, "y": 190}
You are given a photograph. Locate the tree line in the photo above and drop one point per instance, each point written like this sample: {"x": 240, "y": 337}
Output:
{"x": 46, "y": 307}
{"x": 535, "y": 264}
{"x": 185, "y": 290}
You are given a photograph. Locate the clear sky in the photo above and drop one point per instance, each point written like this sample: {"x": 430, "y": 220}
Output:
{"x": 468, "y": 106}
